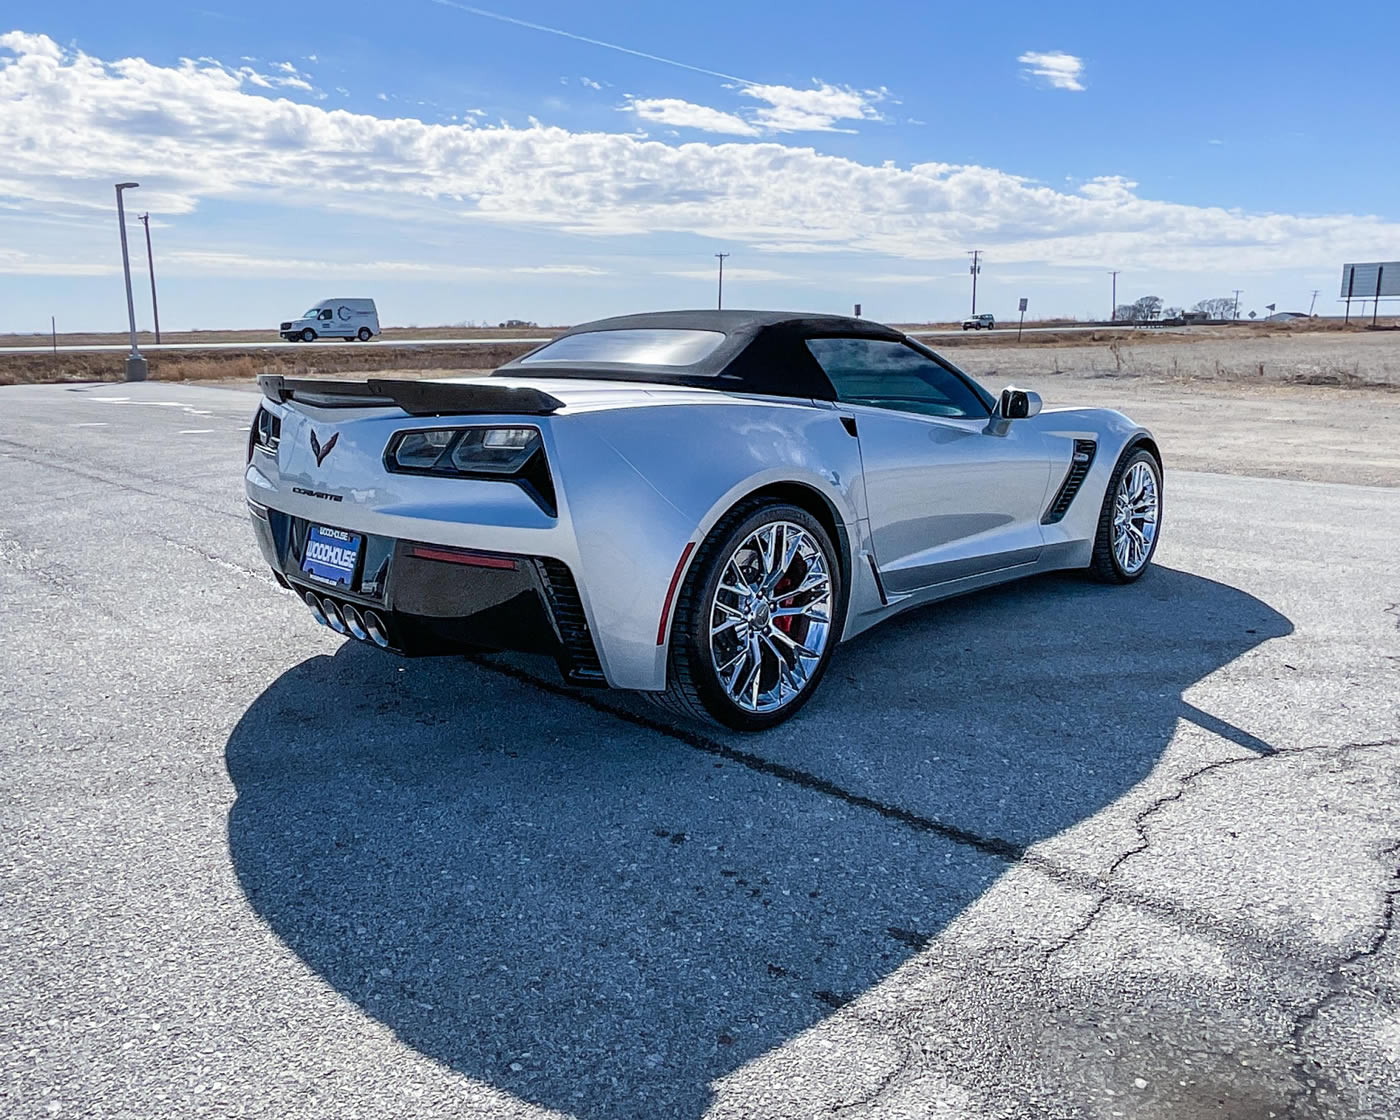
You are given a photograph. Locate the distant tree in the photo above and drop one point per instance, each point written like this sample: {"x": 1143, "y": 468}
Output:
{"x": 1221, "y": 307}
{"x": 1140, "y": 310}
{"x": 1148, "y": 307}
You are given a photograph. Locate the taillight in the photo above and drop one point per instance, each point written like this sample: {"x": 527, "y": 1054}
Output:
{"x": 266, "y": 433}
{"x": 510, "y": 454}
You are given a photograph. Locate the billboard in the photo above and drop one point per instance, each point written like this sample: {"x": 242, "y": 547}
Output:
{"x": 1361, "y": 281}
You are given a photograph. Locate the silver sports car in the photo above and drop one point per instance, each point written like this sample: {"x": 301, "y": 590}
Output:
{"x": 695, "y": 504}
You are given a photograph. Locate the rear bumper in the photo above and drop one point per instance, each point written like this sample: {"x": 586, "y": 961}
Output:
{"x": 437, "y": 600}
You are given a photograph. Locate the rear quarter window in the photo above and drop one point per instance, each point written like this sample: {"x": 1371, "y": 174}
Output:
{"x": 660, "y": 346}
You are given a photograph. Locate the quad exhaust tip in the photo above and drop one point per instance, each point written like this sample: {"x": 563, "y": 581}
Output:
{"x": 348, "y": 619}
{"x": 315, "y": 606}
{"x": 374, "y": 626}
{"x": 354, "y": 621}
{"x": 333, "y": 619}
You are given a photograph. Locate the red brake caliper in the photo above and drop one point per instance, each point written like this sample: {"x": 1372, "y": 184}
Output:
{"x": 785, "y": 623}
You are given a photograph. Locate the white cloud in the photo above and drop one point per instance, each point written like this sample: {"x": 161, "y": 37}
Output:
{"x": 732, "y": 272}
{"x": 813, "y": 110}
{"x": 590, "y": 83}
{"x": 199, "y": 131}
{"x": 685, "y": 114}
{"x": 226, "y": 263}
{"x": 560, "y": 270}
{"x": 1061, "y": 70}
{"x": 15, "y": 263}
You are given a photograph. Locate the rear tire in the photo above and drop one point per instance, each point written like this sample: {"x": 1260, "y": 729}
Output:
{"x": 308, "y": 335}
{"x": 712, "y": 672}
{"x": 364, "y": 334}
{"x": 1130, "y": 521}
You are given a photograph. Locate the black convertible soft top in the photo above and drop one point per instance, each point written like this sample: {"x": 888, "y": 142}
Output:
{"x": 762, "y": 351}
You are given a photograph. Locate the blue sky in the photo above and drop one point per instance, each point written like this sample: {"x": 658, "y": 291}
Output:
{"x": 460, "y": 166}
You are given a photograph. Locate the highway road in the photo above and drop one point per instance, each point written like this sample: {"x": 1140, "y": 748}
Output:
{"x": 1054, "y": 850}
{"x": 280, "y": 345}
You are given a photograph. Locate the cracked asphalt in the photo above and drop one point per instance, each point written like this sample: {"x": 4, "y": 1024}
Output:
{"x": 1053, "y": 851}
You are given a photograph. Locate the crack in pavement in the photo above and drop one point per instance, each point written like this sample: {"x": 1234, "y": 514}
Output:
{"x": 1007, "y": 851}
{"x": 1310, "y": 1081}
{"x": 1104, "y": 883}
{"x": 92, "y": 476}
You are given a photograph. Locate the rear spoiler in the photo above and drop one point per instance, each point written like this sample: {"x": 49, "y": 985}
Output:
{"x": 417, "y": 398}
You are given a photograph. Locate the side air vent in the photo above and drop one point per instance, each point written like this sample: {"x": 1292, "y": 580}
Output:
{"x": 567, "y": 608}
{"x": 1078, "y": 468}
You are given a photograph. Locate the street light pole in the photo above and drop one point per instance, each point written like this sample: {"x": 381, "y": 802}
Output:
{"x": 135, "y": 364}
{"x": 1113, "y": 311}
{"x": 151, "y": 268}
{"x": 719, "y": 303}
{"x": 976, "y": 255}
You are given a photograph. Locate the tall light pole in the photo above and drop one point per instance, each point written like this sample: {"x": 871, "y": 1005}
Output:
{"x": 976, "y": 255}
{"x": 135, "y": 364}
{"x": 151, "y": 268}
{"x": 719, "y": 303}
{"x": 1113, "y": 313}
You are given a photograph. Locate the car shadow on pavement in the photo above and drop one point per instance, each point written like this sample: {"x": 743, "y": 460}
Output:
{"x": 605, "y": 918}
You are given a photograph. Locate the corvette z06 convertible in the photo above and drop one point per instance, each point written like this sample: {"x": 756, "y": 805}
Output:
{"x": 696, "y": 504}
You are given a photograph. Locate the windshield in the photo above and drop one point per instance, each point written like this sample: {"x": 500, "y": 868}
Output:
{"x": 311, "y": 313}
{"x": 636, "y": 347}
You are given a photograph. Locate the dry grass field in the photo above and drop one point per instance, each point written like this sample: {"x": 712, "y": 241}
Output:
{"x": 1238, "y": 356}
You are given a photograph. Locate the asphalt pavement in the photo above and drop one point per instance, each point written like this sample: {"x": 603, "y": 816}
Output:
{"x": 1055, "y": 850}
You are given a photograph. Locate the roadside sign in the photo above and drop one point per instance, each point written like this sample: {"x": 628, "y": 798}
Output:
{"x": 1023, "y": 305}
{"x": 857, "y": 311}
{"x": 1023, "y": 319}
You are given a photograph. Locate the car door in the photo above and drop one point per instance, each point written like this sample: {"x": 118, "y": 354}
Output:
{"x": 949, "y": 496}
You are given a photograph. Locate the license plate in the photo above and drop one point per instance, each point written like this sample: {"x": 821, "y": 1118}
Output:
{"x": 331, "y": 555}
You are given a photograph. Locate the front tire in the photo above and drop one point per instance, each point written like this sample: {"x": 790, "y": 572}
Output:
{"x": 1131, "y": 519}
{"x": 757, "y": 620}
{"x": 308, "y": 335}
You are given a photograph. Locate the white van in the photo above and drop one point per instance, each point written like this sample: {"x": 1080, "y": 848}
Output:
{"x": 334, "y": 318}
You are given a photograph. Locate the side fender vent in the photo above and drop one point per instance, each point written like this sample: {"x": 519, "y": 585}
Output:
{"x": 567, "y": 609}
{"x": 1078, "y": 468}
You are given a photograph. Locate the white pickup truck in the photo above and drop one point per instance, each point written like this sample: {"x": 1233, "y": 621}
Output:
{"x": 977, "y": 322}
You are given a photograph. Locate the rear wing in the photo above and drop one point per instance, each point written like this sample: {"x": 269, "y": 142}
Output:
{"x": 417, "y": 398}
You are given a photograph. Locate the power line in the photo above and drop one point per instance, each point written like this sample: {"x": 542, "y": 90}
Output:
{"x": 1314, "y": 302}
{"x": 719, "y": 303}
{"x": 976, "y": 255}
{"x": 1236, "y": 314}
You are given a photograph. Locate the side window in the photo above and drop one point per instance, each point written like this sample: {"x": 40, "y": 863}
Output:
{"x": 326, "y": 313}
{"x": 891, "y": 375}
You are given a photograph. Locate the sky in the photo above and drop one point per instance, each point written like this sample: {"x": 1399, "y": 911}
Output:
{"x": 559, "y": 162}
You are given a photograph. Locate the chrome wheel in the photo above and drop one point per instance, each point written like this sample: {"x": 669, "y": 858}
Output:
{"x": 770, "y": 618}
{"x": 1137, "y": 506}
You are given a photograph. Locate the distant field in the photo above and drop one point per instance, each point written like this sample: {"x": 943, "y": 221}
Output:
{"x": 1314, "y": 354}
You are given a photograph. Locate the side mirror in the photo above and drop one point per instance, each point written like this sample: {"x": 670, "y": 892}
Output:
{"x": 1018, "y": 404}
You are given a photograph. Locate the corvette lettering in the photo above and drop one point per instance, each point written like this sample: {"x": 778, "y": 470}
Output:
{"x": 317, "y": 494}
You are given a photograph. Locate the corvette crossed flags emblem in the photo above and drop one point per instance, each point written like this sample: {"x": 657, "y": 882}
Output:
{"x": 320, "y": 450}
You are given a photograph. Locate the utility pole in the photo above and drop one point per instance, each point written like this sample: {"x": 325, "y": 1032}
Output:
{"x": 1113, "y": 313}
{"x": 151, "y": 268}
{"x": 135, "y": 364}
{"x": 1236, "y": 314}
{"x": 976, "y": 255}
{"x": 1313, "y": 304}
{"x": 719, "y": 303}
